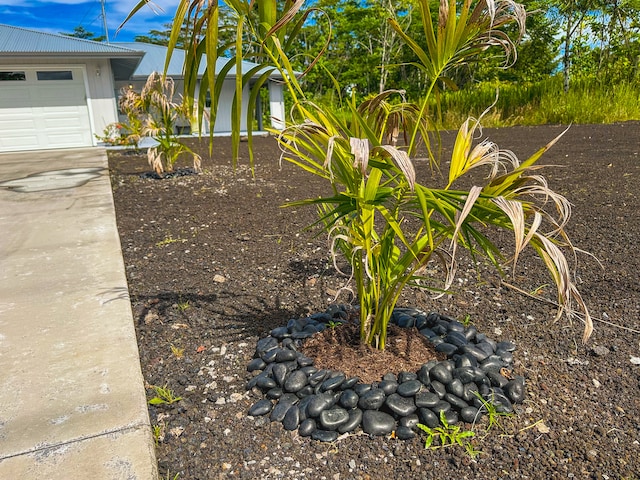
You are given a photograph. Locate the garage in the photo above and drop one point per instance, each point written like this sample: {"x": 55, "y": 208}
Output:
{"x": 57, "y": 91}
{"x": 43, "y": 108}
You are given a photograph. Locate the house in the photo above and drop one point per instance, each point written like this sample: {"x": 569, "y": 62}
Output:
{"x": 154, "y": 61}
{"x": 60, "y": 92}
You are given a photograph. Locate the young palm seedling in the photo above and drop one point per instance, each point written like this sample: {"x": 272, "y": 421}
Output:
{"x": 387, "y": 222}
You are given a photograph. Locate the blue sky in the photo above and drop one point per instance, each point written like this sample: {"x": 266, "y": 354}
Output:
{"x": 57, "y": 16}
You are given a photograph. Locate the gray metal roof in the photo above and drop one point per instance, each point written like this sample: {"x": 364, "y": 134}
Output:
{"x": 155, "y": 56}
{"x": 21, "y": 41}
{"x": 28, "y": 45}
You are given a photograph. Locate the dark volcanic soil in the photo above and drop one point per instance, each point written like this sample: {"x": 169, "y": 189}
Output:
{"x": 213, "y": 263}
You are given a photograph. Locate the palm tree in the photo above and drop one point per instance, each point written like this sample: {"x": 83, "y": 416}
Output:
{"x": 385, "y": 223}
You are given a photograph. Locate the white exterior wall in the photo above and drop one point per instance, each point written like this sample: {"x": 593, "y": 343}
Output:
{"x": 276, "y": 105}
{"x": 225, "y": 105}
{"x": 102, "y": 103}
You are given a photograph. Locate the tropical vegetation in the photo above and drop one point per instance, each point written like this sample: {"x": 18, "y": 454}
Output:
{"x": 154, "y": 113}
{"x": 573, "y": 55}
{"x": 378, "y": 215}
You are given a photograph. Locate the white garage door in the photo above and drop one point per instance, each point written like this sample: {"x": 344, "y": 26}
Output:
{"x": 43, "y": 108}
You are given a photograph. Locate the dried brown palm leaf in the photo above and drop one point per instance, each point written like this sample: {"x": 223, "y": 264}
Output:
{"x": 557, "y": 264}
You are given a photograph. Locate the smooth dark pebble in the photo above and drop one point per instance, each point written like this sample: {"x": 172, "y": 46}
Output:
{"x": 409, "y": 388}
{"x": 261, "y": 407}
{"x": 349, "y": 383}
{"x": 438, "y": 388}
{"x": 401, "y": 406}
{"x": 447, "y": 348}
{"x": 506, "y": 357}
{"x": 409, "y": 420}
{"x": 428, "y": 417}
{"x": 279, "y": 411}
{"x": 307, "y": 427}
{"x": 455, "y": 401}
{"x": 497, "y": 379}
{"x": 456, "y": 338}
{"x": 507, "y": 346}
{"x": 332, "y": 418}
{"x": 388, "y": 386}
{"x": 407, "y": 377}
{"x": 375, "y": 422}
{"x": 441, "y": 406}
{"x": 456, "y": 387}
{"x": 470, "y": 333}
{"x": 280, "y": 332}
{"x": 372, "y": 399}
{"x": 291, "y": 419}
{"x": 362, "y": 388}
{"x": 515, "y": 390}
{"x": 274, "y": 393}
{"x": 304, "y": 361}
{"x": 427, "y": 399}
{"x": 455, "y": 326}
{"x": 469, "y": 414}
{"x": 305, "y": 391}
{"x": 451, "y": 416}
{"x": 405, "y": 433}
{"x": 318, "y": 377}
{"x": 265, "y": 344}
{"x": 355, "y": 419}
{"x": 265, "y": 382}
{"x": 333, "y": 383}
{"x": 464, "y": 374}
{"x": 476, "y": 352}
{"x": 285, "y": 355}
{"x": 256, "y": 364}
{"x": 349, "y": 399}
{"x": 279, "y": 372}
{"x": 440, "y": 373}
{"x": 324, "y": 435}
{"x": 295, "y": 381}
{"x": 319, "y": 403}
{"x": 269, "y": 356}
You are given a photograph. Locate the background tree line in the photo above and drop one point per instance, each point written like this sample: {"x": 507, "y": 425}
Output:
{"x": 580, "y": 51}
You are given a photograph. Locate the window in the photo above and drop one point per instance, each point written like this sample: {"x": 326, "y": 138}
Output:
{"x": 11, "y": 76}
{"x": 55, "y": 75}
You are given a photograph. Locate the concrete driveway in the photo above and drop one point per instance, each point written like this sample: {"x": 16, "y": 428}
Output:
{"x": 72, "y": 400}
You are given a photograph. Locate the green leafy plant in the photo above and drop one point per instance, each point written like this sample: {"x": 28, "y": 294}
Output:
{"x": 378, "y": 215}
{"x": 169, "y": 240}
{"x": 183, "y": 305}
{"x": 158, "y": 433}
{"x": 177, "y": 351}
{"x": 116, "y": 134}
{"x": 333, "y": 324}
{"x": 447, "y": 435}
{"x": 164, "y": 396}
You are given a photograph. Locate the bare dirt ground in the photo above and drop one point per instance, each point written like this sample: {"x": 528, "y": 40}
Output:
{"x": 213, "y": 263}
